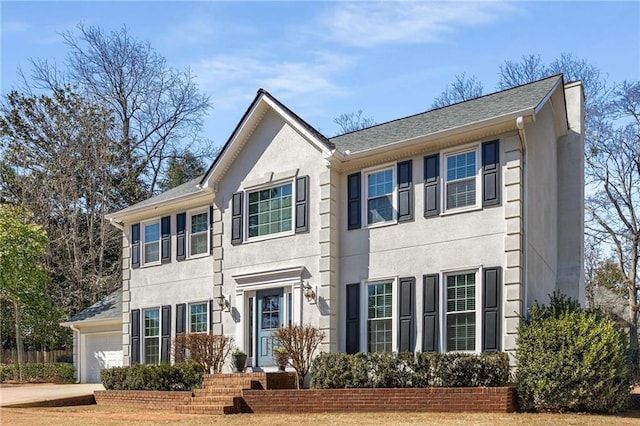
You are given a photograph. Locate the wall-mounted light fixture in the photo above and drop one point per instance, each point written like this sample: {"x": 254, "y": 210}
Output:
{"x": 223, "y": 303}
{"x": 308, "y": 292}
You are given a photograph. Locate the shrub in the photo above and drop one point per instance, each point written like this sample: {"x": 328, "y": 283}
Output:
{"x": 208, "y": 350}
{"x": 49, "y": 372}
{"x": 571, "y": 360}
{"x": 387, "y": 370}
{"x": 163, "y": 377}
{"x": 300, "y": 342}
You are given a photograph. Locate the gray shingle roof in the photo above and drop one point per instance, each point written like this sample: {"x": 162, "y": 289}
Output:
{"x": 437, "y": 120}
{"x": 188, "y": 188}
{"x": 108, "y": 308}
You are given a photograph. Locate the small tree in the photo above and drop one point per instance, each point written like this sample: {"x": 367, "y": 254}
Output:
{"x": 207, "y": 350}
{"x": 300, "y": 342}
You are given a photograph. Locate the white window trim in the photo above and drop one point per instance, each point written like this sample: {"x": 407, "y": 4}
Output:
{"x": 143, "y": 241}
{"x": 143, "y": 338}
{"x": 444, "y": 154}
{"x": 443, "y": 306}
{"x": 191, "y": 213}
{"x": 364, "y": 296}
{"x": 208, "y": 319}
{"x": 365, "y": 194}
{"x": 271, "y": 184}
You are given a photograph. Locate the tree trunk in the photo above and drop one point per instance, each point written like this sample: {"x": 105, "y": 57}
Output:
{"x": 19, "y": 346}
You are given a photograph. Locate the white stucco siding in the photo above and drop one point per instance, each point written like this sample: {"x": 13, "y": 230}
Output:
{"x": 541, "y": 207}
{"x": 274, "y": 154}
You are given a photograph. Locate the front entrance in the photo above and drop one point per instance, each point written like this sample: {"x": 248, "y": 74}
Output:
{"x": 270, "y": 318}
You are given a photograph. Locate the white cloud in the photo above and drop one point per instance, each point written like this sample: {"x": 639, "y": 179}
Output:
{"x": 367, "y": 24}
{"x": 14, "y": 27}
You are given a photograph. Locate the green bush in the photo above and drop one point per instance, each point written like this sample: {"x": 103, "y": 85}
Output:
{"x": 389, "y": 370}
{"x": 163, "y": 377}
{"x": 571, "y": 360}
{"x": 49, "y": 372}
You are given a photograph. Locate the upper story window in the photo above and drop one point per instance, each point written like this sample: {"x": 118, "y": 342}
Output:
{"x": 461, "y": 179}
{"x": 151, "y": 334}
{"x": 270, "y": 211}
{"x": 461, "y": 312}
{"x": 151, "y": 246}
{"x": 198, "y": 318}
{"x": 379, "y": 195}
{"x": 379, "y": 317}
{"x": 199, "y": 234}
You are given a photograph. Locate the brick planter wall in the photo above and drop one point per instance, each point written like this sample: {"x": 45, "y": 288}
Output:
{"x": 501, "y": 400}
{"x": 152, "y": 400}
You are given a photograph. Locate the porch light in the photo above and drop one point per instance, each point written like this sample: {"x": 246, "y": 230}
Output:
{"x": 223, "y": 303}
{"x": 308, "y": 292}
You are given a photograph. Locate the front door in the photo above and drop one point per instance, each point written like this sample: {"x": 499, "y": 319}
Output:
{"x": 270, "y": 318}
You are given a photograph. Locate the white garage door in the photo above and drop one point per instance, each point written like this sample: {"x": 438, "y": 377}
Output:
{"x": 101, "y": 351}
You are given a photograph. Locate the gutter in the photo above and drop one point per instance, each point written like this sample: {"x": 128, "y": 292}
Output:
{"x": 525, "y": 218}
{"x": 133, "y": 210}
{"x": 118, "y": 225}
{"x": 78, "y": 352}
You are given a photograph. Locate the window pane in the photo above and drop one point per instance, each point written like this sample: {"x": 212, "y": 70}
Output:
{"x": 199, "y": 222}
{"x": 379, "y": 323}
{"x": 461, "y": 332}
{"x": 461, "y": 316}
{"x": 380, "y": 210}
{"x": 380, "y": 196}
{"x": 380, "y": 183}
{"x": 461, "y": 166}
{"x": 199, "y": 243}
{"x": 198, "y": 318}
{"x": 151, "y": 350}
{"x": 461, "y": 193}
{"x": 270, "y": 211}
{"x": 152, "y": 232}
{"x": 152, "y": 252}
{"x": 380, "y": 335}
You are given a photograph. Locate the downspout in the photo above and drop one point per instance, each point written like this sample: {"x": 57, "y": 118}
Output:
{"x": 78, "y": 352}
{"x": 118, "y": 225}
{"x": 523, "y": 145}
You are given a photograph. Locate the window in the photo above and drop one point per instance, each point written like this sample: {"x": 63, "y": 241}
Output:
{"x": 270, "y": 211}
{"x": 461, "y": 312}
{"x": 151, "y": 335}
{"x": 461, "y": 179}
{"x": 198, "y": 318}
{"x": 379, "y": 317}
{"x": 151, "y": 248}
{"x": 379, "y": 187}
{"x": 199, "y": 234}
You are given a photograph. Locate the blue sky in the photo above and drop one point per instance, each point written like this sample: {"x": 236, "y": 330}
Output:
{"x": 321, "y": 59}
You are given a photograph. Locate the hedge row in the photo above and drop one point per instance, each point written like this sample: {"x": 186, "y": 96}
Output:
{"x": 404, "y": 370}
{"x": 49, "y": 372}
{"x": 163, "y": 377}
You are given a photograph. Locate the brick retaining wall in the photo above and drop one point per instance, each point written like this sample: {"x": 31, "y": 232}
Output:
{"x": 152, "y": 400}
{"x": 484, "y": 400}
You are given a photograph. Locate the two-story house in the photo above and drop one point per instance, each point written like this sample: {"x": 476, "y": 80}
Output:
{"x": 432, "y": 232}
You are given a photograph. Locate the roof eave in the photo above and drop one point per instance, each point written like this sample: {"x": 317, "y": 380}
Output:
{"x": 130, "y": 211}
{"x": 91, "y": 322}
{"x": 470, "y": 127}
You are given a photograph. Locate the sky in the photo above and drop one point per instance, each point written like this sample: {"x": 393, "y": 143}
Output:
{"x": 322, "y": 59}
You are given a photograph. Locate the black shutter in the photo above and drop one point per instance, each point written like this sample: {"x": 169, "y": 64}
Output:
{"x": 166, "y": 334}
{"x": 210, "y": 229}
{"x": 405, "y": 191}
{"x": 165, "y": 226}
{"x": 181, "y": 234}
{"x": 236, "y": 218}
{"x": 135, "y": 245}
{"x": 430, "y": 329}
{"x": 406, "y": 317}
{"x": 302, "y": 204}
{"x": 431, "y": 185}
{"x": 181, "y": 318}
{"x": 353, "y": 201}
{"x": 135, "y": 336}
{"x": 491, "y": 173}
{"x": 210, "y": 313}
{"x": 491, "y": 303}
{"x": 353, "y": 319}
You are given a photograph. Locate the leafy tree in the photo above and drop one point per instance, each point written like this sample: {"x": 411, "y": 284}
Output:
{"x": 156, "y": 109}
{"x": 57, "y": 160}
{"x": 22, "y": 274}
{"x": 353, "y": 121}
{"x": 181, "y": 169}
{"x": 462, "y": 89}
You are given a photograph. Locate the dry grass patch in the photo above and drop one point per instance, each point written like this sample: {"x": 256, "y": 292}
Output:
{"x": 100, "y": 415}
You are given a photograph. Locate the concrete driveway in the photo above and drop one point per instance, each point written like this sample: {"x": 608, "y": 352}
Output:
{"x": 47, "y": 394}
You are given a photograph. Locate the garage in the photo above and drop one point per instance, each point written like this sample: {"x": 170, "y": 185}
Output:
{"x": 97, "y": 338}
{"x": 102, "y": 350}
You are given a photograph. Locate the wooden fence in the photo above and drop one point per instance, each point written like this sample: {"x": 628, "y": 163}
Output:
{"x": 10, "y": 356}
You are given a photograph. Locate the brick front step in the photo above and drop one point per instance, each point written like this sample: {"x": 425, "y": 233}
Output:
{"x": 224, "y": 400}
{"x": 218, "y": 392}
{"x": 210, "y": 409}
